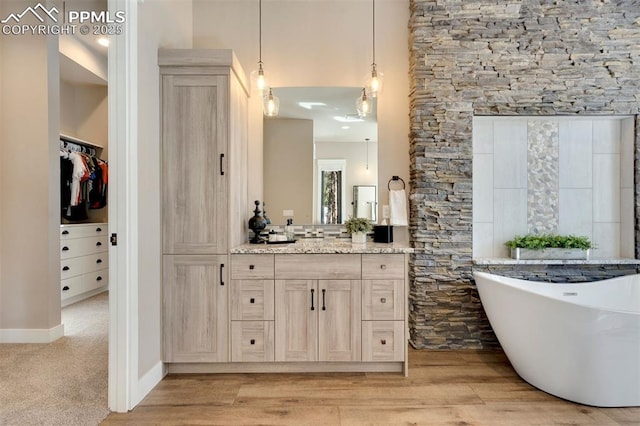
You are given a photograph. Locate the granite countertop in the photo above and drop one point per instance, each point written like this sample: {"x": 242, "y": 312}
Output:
{"x": 508, "y": 261}
{"x": 321, "y": 246}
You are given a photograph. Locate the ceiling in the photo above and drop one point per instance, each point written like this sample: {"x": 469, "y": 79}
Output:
{"x": 333, "y": 111}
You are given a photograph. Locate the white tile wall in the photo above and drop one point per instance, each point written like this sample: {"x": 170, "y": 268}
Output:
{"x": 596, "y": 195}
{"x": 482, "y": 240}
{"x": 606, "y": 188}
{"x": 606, "y": 238}
{"x": 482, "y": 135}
{"x": 483, "y": 188}
{"x": 606, "y": 136}
{"x": 510, "y": 151}
{"x": 576, "y": 147}
{"x": 509, "y": 217}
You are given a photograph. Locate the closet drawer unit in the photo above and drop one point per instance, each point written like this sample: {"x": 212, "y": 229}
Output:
{"x": 383, "y": 300}
{"x": 83, "y": 264}
{"x": 318, "y": 266}
{"x": 82, "y": 231}
{"x": 383, "y": 341}
{"x": 83, "y": 246}
{"x": 252, "y": 266}
{"x": 252, "y": 341}
{"x": 84, "y": 283}
{"x": 252, "y": 300}
{"x": 381, "y": 266}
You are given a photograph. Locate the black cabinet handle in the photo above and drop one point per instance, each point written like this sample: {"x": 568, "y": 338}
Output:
{"x": 324, "y": 308}
{"x": 65, "y": 248}
{"x": 222, "y": 274}
{"x": 99, "y": 278}
{"x": 252, "y": 267}
{"x": 221, "y": 165}
{"x": 252, "y": 300}
{"x": 312, "y": 307}
{"x": 65, "y": 232}
{"x": 65, "y": 288}
{"x": 98, "y": 244}
{"x": 99, "y": 261}
{"x": 65, "y": 268}
{"x": 98, "y": 229}
{"x": 252, "y": 341}
{"x": 383, "y": 341}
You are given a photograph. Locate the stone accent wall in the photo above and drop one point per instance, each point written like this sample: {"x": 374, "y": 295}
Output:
{"x": 496, "y": 58}
{"x": 571, "y": 273}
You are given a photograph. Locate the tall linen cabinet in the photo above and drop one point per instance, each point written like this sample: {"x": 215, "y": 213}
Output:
{"x": 204, "y": 101}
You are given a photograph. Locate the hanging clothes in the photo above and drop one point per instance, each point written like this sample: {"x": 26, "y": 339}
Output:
{"x": 83, "y": 184}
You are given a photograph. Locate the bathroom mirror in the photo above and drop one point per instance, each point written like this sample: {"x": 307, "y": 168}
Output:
{"x": 365, "y": 201}
{"x": 316, "y": 128}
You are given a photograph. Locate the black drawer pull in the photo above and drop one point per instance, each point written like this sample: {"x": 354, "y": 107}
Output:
{"x": 252, "y": 300}
{"x": 65, "y": 288}
{"x": 98, "y": 229}
{"x": 252, "y": 267}
{"x": 65, "y": 232}
{"x": 383, "y": 341}
{"x": 65, "y": 268}
{"x": 383, "y": 300}
{"x": 99, "y": 278}
{"x": 65, "y": 248}
{"x": 99, "y": 261}
{"x": 252, "y": 341}
{"x": 383, "y": 266}
{"x": 98, "y": 244}
{"x": 312, "y": 307}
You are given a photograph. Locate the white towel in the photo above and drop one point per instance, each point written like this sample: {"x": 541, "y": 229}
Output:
{"x": 398, "y": 207}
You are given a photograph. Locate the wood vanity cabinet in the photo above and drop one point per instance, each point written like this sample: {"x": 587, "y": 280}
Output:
{"x": 204, "y": 101}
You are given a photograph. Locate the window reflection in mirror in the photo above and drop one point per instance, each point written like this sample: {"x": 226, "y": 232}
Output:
{"x": 315, "y": 125}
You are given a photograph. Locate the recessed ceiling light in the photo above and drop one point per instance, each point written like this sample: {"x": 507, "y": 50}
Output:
{"x": 310, "y": 105}
{"x": 103, "y": 41}
{"x": 351, "y": 118}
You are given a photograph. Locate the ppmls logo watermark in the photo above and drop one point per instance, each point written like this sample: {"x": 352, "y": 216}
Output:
{"x": 73, "y": 21}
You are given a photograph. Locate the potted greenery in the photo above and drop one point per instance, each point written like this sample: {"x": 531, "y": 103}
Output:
{"x": 549, "y": 246}
{"x": 358, "y": 227}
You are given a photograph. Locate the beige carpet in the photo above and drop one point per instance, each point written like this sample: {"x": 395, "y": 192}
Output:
{"x": 63, "y": 382}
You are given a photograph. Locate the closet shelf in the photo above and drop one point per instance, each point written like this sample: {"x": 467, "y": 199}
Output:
{"x": 79, "y": 141}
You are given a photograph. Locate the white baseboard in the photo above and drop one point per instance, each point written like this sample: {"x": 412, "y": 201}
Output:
{"x": 31, "y": 335}
{"x": 148, "y": 382}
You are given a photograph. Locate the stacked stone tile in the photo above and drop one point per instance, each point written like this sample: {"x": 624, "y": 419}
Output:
{"x": 496, "y": 58}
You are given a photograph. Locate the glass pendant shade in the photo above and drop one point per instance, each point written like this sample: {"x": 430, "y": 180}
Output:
{"x": 363, "y": 104}
{"x": 374, "y": 80}
{"x": 270, "y": 104}
{"x": 258, "y": 80}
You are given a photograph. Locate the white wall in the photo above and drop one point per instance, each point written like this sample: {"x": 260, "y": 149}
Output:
{"x": 167, "y": 24}
{"x": 29, "y": 187}
{"x": 319, "y": 43}
{"x": 593, "y": 185}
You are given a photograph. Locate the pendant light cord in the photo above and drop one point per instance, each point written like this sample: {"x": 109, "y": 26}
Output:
{"x": 374, "y": 30}
{"x": 260, "y": 31}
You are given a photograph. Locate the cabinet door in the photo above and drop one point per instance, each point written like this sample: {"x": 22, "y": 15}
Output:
{"x": 296, "y": 320}
{"x": 194, "y": 181}
{"x": 339, "y": 320}
{"x": 195, "y": 312}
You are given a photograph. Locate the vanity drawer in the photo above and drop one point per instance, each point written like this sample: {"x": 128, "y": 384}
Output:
{"x": 383, "y": 341}
{"x": 318, "y": 266}
{"x": 252, "y": 341}
{"x": 83, "y": 283}
{"x": 383, "y": 300}
{"x": 380, "y": 266}
{"x": 252, "y": 300}
{"x": 252, "y": 266}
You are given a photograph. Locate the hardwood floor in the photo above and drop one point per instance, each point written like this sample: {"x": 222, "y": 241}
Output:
{"x": 443, "y": 388}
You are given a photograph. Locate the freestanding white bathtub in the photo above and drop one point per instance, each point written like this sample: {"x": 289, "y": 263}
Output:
{"x": 579, "y": 342}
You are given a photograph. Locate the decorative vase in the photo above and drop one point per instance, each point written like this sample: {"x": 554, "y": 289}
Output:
{"x": 257, "y": 224}
{"x": 359, "y": 237}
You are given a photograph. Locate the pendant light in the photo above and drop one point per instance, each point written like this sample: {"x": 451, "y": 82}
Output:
{"x": 363, "y": 104}
{"x": 258, "y": 79}
{"x": 374, "y": 78}
{"x": 270, "y": 104}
